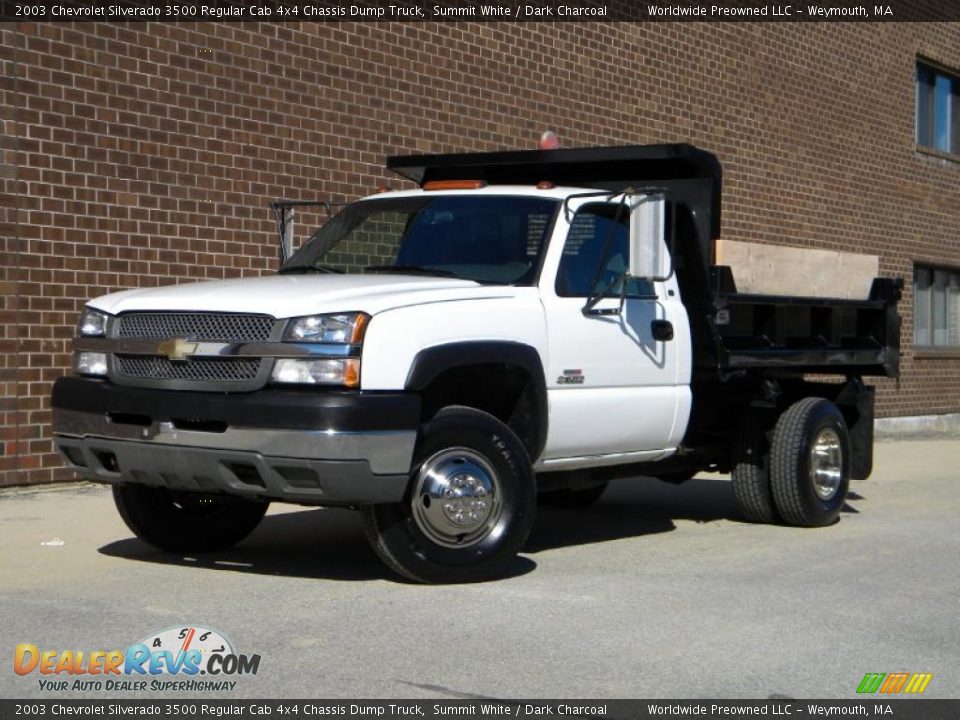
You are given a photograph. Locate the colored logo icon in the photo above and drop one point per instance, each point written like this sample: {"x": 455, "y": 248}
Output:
{"x": 891, "y": 683}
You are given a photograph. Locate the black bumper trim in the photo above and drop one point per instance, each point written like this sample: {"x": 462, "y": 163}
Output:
{"x": 239, "y": 473}
{"x": 305, "y": 409}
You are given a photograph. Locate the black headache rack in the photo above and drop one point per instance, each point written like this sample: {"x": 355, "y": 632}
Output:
{"x": 733, "y": 333}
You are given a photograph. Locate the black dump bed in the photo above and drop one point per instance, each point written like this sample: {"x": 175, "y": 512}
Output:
{"x": 733, "y": 332}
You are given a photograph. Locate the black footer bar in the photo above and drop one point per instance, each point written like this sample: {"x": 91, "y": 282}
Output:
{"x": 781, "y": 709}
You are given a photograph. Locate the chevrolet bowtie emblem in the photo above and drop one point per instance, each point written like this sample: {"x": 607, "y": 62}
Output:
{"x": 177, "y": 349}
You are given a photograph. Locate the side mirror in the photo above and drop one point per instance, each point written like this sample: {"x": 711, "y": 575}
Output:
{"x": 286, "y": 240}
{"x": 283, "y": 215}
{"x": 649, "y": 255}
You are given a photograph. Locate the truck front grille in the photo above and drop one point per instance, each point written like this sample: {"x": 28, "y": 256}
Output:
{"x": 204, "y": 370}
{"x": 211, "y": 327}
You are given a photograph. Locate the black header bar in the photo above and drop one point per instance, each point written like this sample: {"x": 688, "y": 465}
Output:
{"x": 482, "y": 10}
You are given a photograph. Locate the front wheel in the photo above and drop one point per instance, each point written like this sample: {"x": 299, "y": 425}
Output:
{"x": 186, "y": 521}
{"x": 469, "y": 507}
{"x": 810, "y": 463}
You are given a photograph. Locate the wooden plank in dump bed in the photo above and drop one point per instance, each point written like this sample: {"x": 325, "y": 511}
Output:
{"x": 780, "y": 270}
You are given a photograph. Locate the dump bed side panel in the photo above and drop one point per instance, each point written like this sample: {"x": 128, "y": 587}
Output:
{"x": 809, "y": 335}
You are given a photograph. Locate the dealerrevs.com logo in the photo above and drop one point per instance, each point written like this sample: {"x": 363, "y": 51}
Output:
{"x": 188, "y": 659}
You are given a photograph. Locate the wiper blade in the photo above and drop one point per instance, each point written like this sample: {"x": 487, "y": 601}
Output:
{"x": 410, "y": 269}
{"x": 293, "y": 269}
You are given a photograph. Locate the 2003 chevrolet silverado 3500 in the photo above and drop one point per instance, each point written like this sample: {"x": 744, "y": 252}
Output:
{"x": 531, "y": 323}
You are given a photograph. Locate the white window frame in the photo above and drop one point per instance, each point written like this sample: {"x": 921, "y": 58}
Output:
{"x": 936, "y": 307}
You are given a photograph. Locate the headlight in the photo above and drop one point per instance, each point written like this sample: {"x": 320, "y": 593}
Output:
{"x": 93, "y": 323}
{"x": 90, "y": 363}
{"x": 341, "y": 329}
{"x": 315, "y": 371}
{"x": 345, "y": 330}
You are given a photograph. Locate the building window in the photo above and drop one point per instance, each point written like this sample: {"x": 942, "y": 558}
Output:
{"x": 936, "y": 307}
{"x": 938, "y": 109}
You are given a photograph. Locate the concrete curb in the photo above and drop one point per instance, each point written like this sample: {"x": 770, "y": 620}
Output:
{"x": 890, "y": 428}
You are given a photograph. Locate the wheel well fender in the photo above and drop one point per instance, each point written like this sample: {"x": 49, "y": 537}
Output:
{"x": 503, "y": 378}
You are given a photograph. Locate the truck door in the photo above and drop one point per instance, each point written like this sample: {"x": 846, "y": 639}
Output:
{"x": 615, "y": 383}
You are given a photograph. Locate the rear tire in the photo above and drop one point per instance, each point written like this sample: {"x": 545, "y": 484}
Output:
{"x": 186, "y": 521}
{"x": 810, "y": 463}
{"x": 751, "y": 472}
{"x": 469, "y": 507}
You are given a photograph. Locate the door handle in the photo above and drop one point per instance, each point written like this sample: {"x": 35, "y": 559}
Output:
{"x": 661, "y": 330}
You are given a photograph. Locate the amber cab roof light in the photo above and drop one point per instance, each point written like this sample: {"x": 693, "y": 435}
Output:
{"x": 454, "y": 184}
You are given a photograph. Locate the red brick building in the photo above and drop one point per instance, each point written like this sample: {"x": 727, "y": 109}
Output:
{"x": 146, "y": 153}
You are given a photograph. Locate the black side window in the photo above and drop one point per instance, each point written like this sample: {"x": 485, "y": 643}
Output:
{"x": 585, "y": 269}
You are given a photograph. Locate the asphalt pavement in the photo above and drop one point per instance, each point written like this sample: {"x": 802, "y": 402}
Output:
{"x": 659, "y": 591}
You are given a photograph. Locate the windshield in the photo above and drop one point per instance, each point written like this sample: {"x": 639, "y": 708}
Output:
{"x": 486, "y": 238}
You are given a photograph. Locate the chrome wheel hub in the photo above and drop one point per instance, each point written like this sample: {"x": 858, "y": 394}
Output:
{"x": 456, "y": 499}
{"x": 826, "y": 463}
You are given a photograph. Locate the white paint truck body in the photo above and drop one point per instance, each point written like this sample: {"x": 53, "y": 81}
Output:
{"x": 521, "y": 325}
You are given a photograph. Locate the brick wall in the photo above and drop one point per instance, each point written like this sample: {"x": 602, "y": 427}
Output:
{"x": 145, "y": 154}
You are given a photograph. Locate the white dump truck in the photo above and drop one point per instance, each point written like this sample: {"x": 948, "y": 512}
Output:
{"x": 523, "y": 327}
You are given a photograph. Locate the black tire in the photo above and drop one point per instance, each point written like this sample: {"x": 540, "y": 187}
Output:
{"x": 572, "y": 497}
{"x": 404, "y": 538}
{"x": 792, "y": 459}
{"x": 186, "y": 521}
{"x": 751, "y": 472}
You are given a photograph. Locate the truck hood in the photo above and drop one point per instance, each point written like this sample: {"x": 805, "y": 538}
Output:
{"x": 284, "y": 296}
